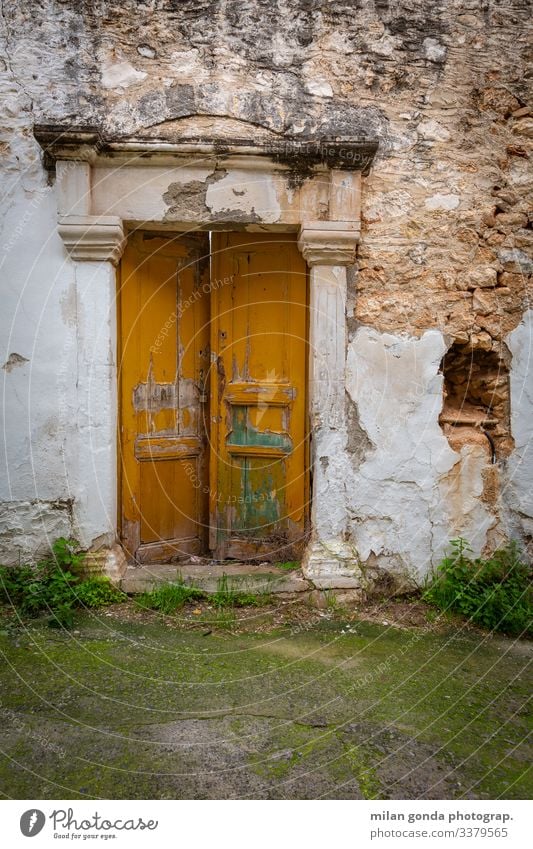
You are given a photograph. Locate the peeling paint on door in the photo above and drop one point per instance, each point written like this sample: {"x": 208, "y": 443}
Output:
{"x": 164, "y": 364}
{"x": 258, "y": 477}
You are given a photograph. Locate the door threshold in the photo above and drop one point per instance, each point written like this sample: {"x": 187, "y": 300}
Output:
{"x": 206, "y": 574}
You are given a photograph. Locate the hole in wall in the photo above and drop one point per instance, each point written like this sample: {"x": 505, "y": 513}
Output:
{"x": 476, "y": 405}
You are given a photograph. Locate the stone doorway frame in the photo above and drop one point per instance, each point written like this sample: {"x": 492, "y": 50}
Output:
{"x": 312, "y": 187}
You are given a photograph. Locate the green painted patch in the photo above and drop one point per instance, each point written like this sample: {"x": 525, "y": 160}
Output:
{"x": 244, "y": 433}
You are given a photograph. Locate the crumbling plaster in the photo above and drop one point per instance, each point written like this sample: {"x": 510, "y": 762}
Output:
{"x": 518, "y": 485}
{"x": 445, "y": 252}
{"x": 411, "y": 489}
{"x": 57, "y": 398}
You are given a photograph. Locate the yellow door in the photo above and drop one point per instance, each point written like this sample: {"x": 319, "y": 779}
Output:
{"x": 164, "y": 330}
{"x": 258, "y": 459}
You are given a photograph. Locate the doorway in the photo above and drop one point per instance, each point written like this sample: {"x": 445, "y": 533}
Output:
{"x": 213, "y": 439}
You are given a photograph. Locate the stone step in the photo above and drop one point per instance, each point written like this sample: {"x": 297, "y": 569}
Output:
{"x": 243, "y": 577}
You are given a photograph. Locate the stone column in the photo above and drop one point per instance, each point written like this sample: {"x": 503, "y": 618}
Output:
{"x": 95, "y": 244}
{"x": 328, "y": 247}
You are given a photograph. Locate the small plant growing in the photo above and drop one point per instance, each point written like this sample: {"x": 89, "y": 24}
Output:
{"x": 170, "y": 597}
{"x": 494, "y": 593}
{"x": 97, "y": 591}
{"x": 332, "y": 602}
{"x": 288, "y": 565}
{"x": 54, "y": 586}
{"x": 228, "y": 596}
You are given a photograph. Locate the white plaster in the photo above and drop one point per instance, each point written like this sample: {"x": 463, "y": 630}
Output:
{"x": 434, "y": 50}
{"x": 329, "y": 562}
{"x": 244, "y": 192}
{"x": 431, "y": 130}
{"x": 57, "y": 464}
{"x": 394, "y": 382}
{"x": 459, "y": 509}
{"x": 121, "y": 75}
{"x": 412, "y": 493}
{"x": 96, "y": 467}
{"x": 386, "y": 205}
{"x": 519, "y": 487}
{"x": 28, "y": 529}
{"x": 136, "y": 194}
{"x": 73, "y": 181}
{"x": 36, "y": 286}
{"x": 445, "y": 202}
{"x": 146, "y": 51}
{"x": 188, "y": 64}
{"x": 319, "y": 87}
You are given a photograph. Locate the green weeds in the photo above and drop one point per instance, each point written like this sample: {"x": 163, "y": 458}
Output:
{"x": 168, "y": 598}
{"x": 229, "y": 595}
{"x": 54, "y": 586}
{"x": 288, "y": 565}
{"x": 494, "y": 593}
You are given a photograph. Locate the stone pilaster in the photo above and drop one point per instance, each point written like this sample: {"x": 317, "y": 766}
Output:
{"x": 92, "y": 238}
{"x": 328, "y": 247}
{"x": 95, "y": 244}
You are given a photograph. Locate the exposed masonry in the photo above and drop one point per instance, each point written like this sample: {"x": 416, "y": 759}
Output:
{"x": 190, "y": 197}
{"x": 441, "y": 285}
{"x": 476, "y": 398}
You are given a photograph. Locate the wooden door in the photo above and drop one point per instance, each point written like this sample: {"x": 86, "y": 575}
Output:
{"x": 258, "y": 458}
{"x": 164, "y": 330}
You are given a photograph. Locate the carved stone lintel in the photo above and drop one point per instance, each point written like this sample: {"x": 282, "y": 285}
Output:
{"x": 92, "y": 238}
{"x": 90, "y": 144}
{"x": 329, "y": 242}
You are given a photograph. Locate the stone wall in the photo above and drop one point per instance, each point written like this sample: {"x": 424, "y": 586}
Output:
{"x": 445, "y": 257}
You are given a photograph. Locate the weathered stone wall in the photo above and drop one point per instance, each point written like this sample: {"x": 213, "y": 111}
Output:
{"x": 446, "y": 251}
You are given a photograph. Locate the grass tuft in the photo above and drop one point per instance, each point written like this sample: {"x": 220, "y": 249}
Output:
{"x": 170, "y": 597}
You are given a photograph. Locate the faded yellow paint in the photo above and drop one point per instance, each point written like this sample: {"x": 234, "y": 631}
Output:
{"x": 258, "y": 464}
{"x": 254, "y": 410}
{"x": 164, "y": 333}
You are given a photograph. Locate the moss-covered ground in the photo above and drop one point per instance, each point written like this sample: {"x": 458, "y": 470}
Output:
{"x": 136, "y": 705}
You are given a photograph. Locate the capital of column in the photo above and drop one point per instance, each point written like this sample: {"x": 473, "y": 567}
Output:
{"x": 329, "y": 242}
{"x": 92, "y": 238}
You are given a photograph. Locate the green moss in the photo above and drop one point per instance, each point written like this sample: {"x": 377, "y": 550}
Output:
{"x": 287, "y": 565}
{"x": 105, "y": 693}
{"x": 361, "y": 764}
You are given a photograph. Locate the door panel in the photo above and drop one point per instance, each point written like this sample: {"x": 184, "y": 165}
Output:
{"x": 258, "y": 463}
{"x": 164, "y": 331}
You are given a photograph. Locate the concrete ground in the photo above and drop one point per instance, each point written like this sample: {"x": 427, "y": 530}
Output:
{"x": 261, "y": 704}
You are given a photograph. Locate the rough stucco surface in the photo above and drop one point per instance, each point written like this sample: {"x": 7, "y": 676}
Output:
{"x": 401, "y": 498}
{"x": 446, "y": 232}
{"x": 519, "y": 488}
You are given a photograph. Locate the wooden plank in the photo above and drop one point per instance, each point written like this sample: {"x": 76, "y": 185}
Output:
{"x": 167, "y": 447}
{"x": 275, "y": 395}
{"x": 257, "y": 450}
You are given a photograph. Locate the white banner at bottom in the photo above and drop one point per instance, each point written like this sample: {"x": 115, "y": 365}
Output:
{"x": 258, "y": 824}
